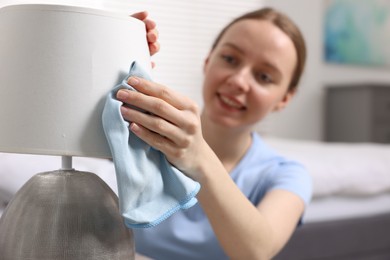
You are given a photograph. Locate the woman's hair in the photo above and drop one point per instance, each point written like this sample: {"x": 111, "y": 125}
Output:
{"x": 285, "y": 24}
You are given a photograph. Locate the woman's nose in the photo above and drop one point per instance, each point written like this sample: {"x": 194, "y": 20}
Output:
{"x": 240, "y": 80}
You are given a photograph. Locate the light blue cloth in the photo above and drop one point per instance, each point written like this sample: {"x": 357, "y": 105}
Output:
{"x": 150, "y": 189}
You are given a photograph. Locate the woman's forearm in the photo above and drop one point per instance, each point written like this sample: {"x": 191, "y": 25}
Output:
{"x": 240, "y": 228}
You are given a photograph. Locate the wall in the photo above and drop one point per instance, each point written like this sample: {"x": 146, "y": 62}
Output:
{"x": 303, "y": 119}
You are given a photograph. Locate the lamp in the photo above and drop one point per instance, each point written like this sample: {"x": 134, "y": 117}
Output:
{"x": 57, "y": 63}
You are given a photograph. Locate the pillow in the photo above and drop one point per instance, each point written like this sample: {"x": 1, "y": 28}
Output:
{"x": 340, "y": 168}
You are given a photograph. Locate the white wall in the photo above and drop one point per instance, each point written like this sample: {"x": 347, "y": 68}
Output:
{"x": 304, "y": 118}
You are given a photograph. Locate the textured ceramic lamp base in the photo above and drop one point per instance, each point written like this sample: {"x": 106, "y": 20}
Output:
{"x": 64, "y": 215}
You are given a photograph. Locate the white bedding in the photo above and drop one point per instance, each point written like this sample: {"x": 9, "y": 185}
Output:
{"x": 346, "y": 207}
{"x": 347, "y": 169}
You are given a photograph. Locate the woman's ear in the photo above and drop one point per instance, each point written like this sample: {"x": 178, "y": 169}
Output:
{"x": 286, "y": 99}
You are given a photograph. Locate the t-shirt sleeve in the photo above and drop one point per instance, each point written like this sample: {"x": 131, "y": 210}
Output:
{"x": 293, "y": 177}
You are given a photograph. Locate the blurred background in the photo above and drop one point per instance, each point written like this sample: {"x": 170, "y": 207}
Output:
{"x": 187, "y": 29}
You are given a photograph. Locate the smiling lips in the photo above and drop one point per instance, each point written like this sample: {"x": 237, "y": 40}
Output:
{"x": 231, "y": 102}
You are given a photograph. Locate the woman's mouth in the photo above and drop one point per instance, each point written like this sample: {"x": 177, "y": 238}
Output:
{"x": 231, "y": 102}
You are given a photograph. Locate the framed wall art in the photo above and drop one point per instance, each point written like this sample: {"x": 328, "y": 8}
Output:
{"x": 357, "y": 32}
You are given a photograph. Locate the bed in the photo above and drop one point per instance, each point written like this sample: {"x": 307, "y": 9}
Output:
{"x": 349, "y": 215}
{"x": 348, "y": 218}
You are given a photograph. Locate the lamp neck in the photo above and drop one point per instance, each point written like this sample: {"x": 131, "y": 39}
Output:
{"x": 66, "y": 163}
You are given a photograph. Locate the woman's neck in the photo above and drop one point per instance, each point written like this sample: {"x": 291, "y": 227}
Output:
{"x": 230, "y": 145}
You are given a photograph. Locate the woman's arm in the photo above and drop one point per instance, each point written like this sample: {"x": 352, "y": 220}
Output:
{"x": 173, "y": 127}
{"x": 246, "y": 231}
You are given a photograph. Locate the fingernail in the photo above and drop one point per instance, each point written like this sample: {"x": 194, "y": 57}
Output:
{"x": 123, "y": 109}
{"x": 134, "y": 127}
{"x": 122, "y": 94}
{"x": 132, "y": 81}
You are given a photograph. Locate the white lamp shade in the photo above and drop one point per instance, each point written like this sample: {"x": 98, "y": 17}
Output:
{"x": 57, "y": 64}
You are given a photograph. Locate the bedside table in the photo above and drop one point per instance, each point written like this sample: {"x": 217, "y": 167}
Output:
{"x": 358, "y": 113}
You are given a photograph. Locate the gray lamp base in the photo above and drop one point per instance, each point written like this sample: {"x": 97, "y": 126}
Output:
{"x": 65, "y": 214}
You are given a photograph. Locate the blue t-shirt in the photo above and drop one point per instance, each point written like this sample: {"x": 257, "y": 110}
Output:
{"x": 188, "y": 234}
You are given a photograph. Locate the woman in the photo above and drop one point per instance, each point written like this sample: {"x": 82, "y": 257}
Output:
{"x": 251, "y": 199}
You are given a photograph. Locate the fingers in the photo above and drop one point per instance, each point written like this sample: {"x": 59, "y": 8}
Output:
{"x": 151, "y": 104}
{"x": 140, "y": 15}
{"x": 152, "y": 36}
{"x": 149, "y": 24}
{"x": 155, "y": 130}
{"x": 158, "y": 91}
{"x": 157, "y": 141}
{"x": 170, "y": 114}
{"x": 154, "y": 47}
{"x": 151, "y": 32}
{"x": 167, "y": 130}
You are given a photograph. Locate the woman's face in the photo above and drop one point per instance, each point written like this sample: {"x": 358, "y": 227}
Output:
{"x": 248, "y": 73}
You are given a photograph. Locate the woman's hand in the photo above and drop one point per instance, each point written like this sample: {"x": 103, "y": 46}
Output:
{"x": 151, "y": 32}
{"x": 171, "y": 126}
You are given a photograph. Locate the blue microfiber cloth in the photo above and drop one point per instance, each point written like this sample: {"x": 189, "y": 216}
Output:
{"x": 150, "y": 189}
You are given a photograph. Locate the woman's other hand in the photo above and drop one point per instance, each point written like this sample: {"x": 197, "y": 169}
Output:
{"x": 151, "y": 32}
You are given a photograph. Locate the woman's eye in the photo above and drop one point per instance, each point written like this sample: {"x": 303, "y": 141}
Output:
{"x": 264, "y": 77}
{"x": 229, "y": 59}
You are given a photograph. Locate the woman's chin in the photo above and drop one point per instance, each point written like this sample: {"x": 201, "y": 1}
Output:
{"x": 225, "y": 121}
